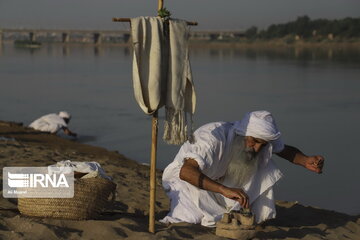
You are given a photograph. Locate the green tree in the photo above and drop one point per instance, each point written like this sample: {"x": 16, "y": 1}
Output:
{"x": 251, "y": 32}
{"x": 303, "y": 26}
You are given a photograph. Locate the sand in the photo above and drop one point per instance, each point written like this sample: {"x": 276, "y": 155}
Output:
{"x": 128, "y": 219}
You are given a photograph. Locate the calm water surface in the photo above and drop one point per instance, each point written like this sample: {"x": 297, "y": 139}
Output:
{"x": 313, "y": 94}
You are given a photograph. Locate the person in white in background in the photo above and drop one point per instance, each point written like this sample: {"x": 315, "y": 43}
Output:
{"x": 53, "y": 122}
{"x": 229, "y": 166}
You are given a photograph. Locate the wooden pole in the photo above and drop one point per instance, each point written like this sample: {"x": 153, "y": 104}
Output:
{"x": 154, "y": 133}
{"x": 153, "y": 171}
{"x": 160, "y": 4}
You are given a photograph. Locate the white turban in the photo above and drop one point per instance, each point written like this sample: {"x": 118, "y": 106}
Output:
{"x": 258, "y": 124}
{"x": 64, "y": 114}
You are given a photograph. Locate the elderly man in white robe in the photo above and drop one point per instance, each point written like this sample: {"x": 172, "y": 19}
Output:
{"x": 229, "y": 167}
{"x": 53, "y": 123}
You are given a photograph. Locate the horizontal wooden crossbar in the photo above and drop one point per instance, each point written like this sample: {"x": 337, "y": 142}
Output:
{"x": 128, "y": 20}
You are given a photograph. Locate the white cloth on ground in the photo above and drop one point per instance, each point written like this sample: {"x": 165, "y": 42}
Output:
{"x": 210, "y": 150}
{"x": 93, "y": 169}
{"x": 49, "y": 123}
{"x": 161, "y": 73}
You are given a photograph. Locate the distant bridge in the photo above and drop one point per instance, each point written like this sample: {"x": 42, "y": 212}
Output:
{"x": 66, "y": 35}
{"x": 98, "y": 36}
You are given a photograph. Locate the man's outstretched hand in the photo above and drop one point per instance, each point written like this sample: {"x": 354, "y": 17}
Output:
{"x": 314, "y": 163}
{"x": 236, "y": 194}
{"x": 294, "y": 155}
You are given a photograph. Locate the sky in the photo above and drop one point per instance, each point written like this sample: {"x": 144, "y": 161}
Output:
{"x": 210, "y": 14}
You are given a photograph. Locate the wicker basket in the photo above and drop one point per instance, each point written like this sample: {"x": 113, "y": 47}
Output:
{"x": 90, "y": 197}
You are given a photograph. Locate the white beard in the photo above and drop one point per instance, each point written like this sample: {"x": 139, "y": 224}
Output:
{"x": 243, "y": 163}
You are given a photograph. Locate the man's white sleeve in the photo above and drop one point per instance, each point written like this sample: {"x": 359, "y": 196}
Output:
{"x": 205, "y": 149}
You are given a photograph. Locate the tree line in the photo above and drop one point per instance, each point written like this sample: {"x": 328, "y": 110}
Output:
{"x": 305, "y": 28}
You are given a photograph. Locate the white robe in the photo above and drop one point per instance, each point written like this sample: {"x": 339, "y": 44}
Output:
{"x": 49, "y": 123}
{"x": 210, "y": 150}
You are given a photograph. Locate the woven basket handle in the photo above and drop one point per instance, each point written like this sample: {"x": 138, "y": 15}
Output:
{"x": 113, "y": 196}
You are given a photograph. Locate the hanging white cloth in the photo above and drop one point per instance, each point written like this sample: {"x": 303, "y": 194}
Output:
{"x": 148, "y": 68}
{"x": 180, "y": 98}
{"x": 162, "y": 74}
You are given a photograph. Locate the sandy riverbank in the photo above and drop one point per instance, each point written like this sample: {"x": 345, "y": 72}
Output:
{"x": 21, "y": 146}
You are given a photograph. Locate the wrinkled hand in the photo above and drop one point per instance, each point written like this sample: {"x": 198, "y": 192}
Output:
{"x": 236, "y": 194}
{"x": 314, "y": 163}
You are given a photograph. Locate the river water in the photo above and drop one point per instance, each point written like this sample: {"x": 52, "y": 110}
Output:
{"x": 314, "y": 95}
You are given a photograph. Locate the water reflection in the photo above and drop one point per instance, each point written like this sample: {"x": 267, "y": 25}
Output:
{"x": 302, "y": 54}
{"x": 29, "y": 50}
{"x": 65, "y": 50}
{"x": 341, "y": 54}
{"x": 96, "y": 51}
{"x": 126, "y": 51}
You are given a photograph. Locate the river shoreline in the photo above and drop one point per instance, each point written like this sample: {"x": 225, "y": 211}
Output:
{"x": 21, "y": 146}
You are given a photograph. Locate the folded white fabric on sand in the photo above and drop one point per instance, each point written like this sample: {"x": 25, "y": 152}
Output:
{"x": 93, "y": 169}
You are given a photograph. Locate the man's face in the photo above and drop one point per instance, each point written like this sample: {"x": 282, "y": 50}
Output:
{"x": 254, "y": 144}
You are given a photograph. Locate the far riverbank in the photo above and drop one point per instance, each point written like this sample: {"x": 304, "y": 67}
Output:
{"x": 229, "y": 44}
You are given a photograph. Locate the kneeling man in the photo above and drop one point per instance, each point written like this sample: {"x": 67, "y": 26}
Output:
{"x": 229, "y": 166}
{"x": 53, "y": 122}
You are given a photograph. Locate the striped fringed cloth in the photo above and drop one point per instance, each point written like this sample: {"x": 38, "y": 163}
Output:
{"x": 162, "y": 74}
